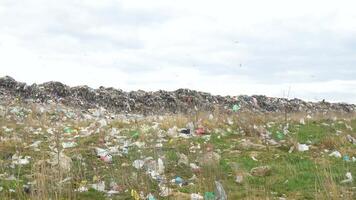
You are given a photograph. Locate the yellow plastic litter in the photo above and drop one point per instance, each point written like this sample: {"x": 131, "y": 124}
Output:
{"x": 135, "y": 195}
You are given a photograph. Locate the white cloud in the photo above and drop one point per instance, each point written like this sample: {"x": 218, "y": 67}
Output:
{"x": 224, "y": 47}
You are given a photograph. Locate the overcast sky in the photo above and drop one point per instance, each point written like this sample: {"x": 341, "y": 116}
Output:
{"x": 223, "y": 47}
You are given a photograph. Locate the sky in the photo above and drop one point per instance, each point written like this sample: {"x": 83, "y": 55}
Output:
{"x": 282, "y": 48}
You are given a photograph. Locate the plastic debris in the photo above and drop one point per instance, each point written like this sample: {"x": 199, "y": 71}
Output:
{"x": 280, "y": 136}
{"x": 195, "y": 168}
{"x": 107, "y": 158}
{"x": 104, "y": 155}
{"x": 302, "y": 147}
{"x": 196, "y": 196}
{"x": 200, "y": 131}
{"x": 348, "y": 178}
{"x": 150, "y": 197}
{"x": 99, "y": 186}
{"x": 164, "y": 191}
{"x": 239, "y": 179}
{"x": 138, "y": 164}
{"x": 219, "y": 191}
{"x": 178, "y": 180}
{"x": 336, "y": 154}
{"x": 66, "y": 145}
{"x": 20, "y": 160}
{"x": 236, "y": 107}
{"x": 346, "y": 158}
{"x": 185, "y": 131}
{"x": 351, "y": 139}
{"x": 82, "y": 189}
{"x": 160, "y": 169}
{"x": 68, "y": 130}
{"x": 135, "y": 195}
{"x": 209, "y": 196}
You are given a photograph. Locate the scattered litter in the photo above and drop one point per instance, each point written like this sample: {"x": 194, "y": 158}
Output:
{"x": 209, "y": 196}
{"x": 346, "y": 158}
{"x": 68, "y": 130}
{"x": 107, "y": 158}
{"x": 160, "y": 169}
{"x": 336, "y": 154}
{"x": 20, "y": 160}
{"x": 351, "y": 139}
{"x": 196, "y": 196}
{"x": 302, "y": 147}
{"x": 35, "y": 144}
{"x": 138, "y": 164}
{"x": 348, "y": 178}
{"x": 195, "y": 168}
{"x": 178, "y": 180}
{"x": 200, "y": 131}
{"x": 82, "y": 189}
{"x": 150, "y": 197}
{"x": 66, "y": 145}
{"x": 185, "y": 131}
{"x": 239, "y": 179}
{"x": 99, "y": 186}
{"x": 219, "y": 191}
{"x": 135, "y": 195}
{"x": 164, "y": 191}
{"x": 236, "y": 107}
{"x": 280, "y": 136}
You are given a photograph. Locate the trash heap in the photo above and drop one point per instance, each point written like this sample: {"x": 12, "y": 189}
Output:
{"x": 159, "y": 102}
{"x": 58, "y": 142}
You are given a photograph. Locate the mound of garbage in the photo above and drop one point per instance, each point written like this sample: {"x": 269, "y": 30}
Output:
{"x": 158, "y": 102}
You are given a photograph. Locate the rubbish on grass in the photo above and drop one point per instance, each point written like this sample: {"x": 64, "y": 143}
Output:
{"x": 99, "y": 186}
{"x": 239, "y": 179}
{"x": 219, "y": 191}
{"x": 346, "y": 158}
{"x": 195, "y": 168}
{"x": 20, "y": 160}
{"x": 209, "y": 196}
{"x": 164, "y": 191}
{"x": 66, "y": 145}
{"x": 302, "y": 147}
{"x": 351, "y": 139}
{"x": 185, "y": 131}
{"x": 335, "y": 154}
{"x": 348, "y": 178}
{"x": 178, "y": 180}
{"x": 196, "y": 196}
{"x": 107, "y": 158}
{"x": 150, "y": 197}
{"x": 236, "y": 107}
{"x": 138, "y": 164}
{"x": 200, "y": 131}
{"x": 135, "y": 195}
{"x": 280, "y": 136}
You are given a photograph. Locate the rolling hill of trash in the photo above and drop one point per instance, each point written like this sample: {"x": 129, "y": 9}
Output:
{"x": 59, "y": 142}
{"x": 159, "y": 102}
